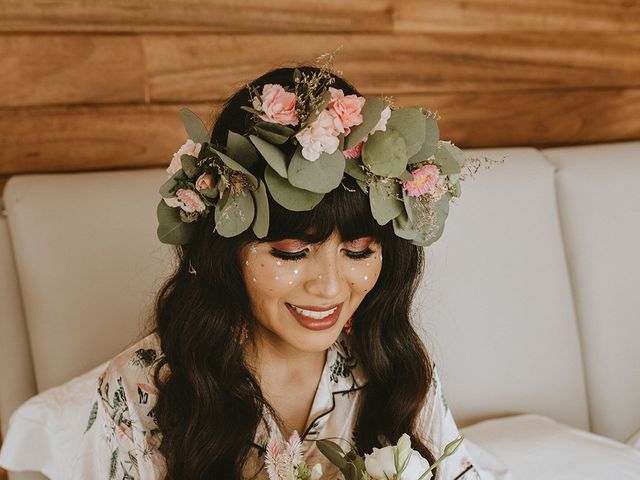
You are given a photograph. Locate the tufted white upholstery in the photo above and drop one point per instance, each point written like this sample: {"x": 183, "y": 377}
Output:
{"x": 528, "y": 304}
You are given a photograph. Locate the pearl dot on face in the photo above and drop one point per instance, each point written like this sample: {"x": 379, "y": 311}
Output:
{"x": 277, "y": 277}
{"x": 320, "y": 277}
{"x": 290, "y": 282}
{"x": 278, "y": 262}
{"x": 366, "y": 277}
{"x": 246, "y": 262}
{"x": 254, "y": 279}
{"x": 295, "y": 271}
{"x": 254, "y": 249}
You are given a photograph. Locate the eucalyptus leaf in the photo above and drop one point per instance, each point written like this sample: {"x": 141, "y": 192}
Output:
{"x": 250, "y": 110}
{"x": 261, "y": 222}
{"x": 231, "y": 163}
{"x": 189, "y": 166}
{"x": 234, "y": 214}
{"x": 275, "y": 157}
{"x": 194, "y": 127}
{"x": 168, "y": 188}
{"x": 402, "y": 227}
{"x": 333, "y": 452}
{"x": 447, "y": 159}
{"x": 383, "y": 206}
{"x": 321, "y": 175}
{"x": 363, "y": 186}
{"x": 385, "y": 153}
{"x": 432, "y": 134}
{"x": 441, "y": 209}
{"x": 274, "y": 132}
{"x": 406, "y": 175}
{"x": 171, "y": 229}
{"x": 290, "y": 197}
{"x": 457, "y": 192}
{"x": 241, "y": 149}
{"x": 410, "y": 123}
{"x": 352, "y": 167}
{"x": 209, "y": 192}
{"x": 371, "y": 110}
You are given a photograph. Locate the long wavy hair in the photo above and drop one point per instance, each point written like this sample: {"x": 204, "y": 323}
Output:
{"x": 209, "y": 402}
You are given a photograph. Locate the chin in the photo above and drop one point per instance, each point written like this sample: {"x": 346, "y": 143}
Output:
{"x": 316, "y": 341}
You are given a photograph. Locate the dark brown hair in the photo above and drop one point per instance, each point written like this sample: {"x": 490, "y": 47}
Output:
{"x": 209, "y": 404}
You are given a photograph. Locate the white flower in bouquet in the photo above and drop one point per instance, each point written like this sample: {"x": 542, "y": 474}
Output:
{"x": 400, "y": 461}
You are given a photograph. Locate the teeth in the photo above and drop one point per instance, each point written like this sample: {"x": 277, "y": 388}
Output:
{"x": 312, "y": 314}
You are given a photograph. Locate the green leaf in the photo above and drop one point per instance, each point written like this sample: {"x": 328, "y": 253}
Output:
{"x": 321, "y": 175}
{"x": 194, "y": 127}
{"x": 261, "y": 222}
{"x": 373, "y": 107}
{"x": 250, "y": 110}
{"x": 333, "y": 452}
{"x": 234, "y": 214}
{"x": 241, "y": 149}
{"x": 189, "y": 166}
{"x": 383, "y": 206}
{"x": 168, "y": 188}
{"x": 352, "y": 167}
{"x": 275, "y": 157}
{"x": 171, "y": 229}
{"x": 231, "y": 163}
{"x": 447, "y": 158}
{"x": 402, "y": 227}
{"x": 92, "y": 416}
{"x": 456, "y": 190}
{"x": 441, "y": 209}
{"x": 362, "y": 185}
{"x": 432, "y": 134}
{"x": 290, "y": 197}
{"x": 385, "y": 153}
{"x": 410, "y": 123}
{"x": 274, "y": 132}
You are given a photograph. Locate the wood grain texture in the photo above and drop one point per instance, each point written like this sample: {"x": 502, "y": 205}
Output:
{"x": 64, "y": 69}
{"x": 91, "y": 138}
{"x": 206, "y": 67}
{"x": 196, "y": 16}
{"x": 550, "y": 16}
{"x": 97, "y": 69}
{"x": 117, "y": 137}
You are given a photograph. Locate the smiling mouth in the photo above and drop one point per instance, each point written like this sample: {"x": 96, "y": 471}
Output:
{"x": 315, "y": 319}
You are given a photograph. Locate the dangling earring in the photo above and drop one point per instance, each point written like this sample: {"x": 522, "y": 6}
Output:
{"x": 244, "y": 332}
{"x": 348, "y": 326}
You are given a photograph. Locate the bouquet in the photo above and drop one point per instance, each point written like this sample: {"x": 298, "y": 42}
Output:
{"x": 396, "y": 462}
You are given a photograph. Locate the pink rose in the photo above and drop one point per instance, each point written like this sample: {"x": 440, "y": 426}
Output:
{"x": 320, "y": 136}
{"x": 187, "y": 200}
{"x": 424, "y": 180}
{"x": 278, "y": 105}
{"x": 355, "y": 151}
{"x": 188, "y": 148}
{"x": 345, "y": 109}
{"x": 204, "y": 181}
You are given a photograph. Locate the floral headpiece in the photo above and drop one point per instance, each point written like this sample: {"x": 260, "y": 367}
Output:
{"x": 309, "y": 138}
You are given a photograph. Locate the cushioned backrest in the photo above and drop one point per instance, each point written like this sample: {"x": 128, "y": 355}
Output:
{"x": 495, "y": 301}
{"x": 89, "y": 264}
{"x": 17, "y": 382}
{"x": 599, "y": 203}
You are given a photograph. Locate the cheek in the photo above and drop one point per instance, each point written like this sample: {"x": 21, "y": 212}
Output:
{"x": 362, "y": 275}
{"x": 269, "y": 276}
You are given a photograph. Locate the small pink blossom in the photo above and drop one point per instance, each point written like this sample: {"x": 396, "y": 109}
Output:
{"x": 187, "y": 200}
{"x": 424, "y": 180}
{"x": 345, "y": 110}
{"x": 188, "y": 148}
{"x": 354, "y": 152}
{"x": 278, "y": 105}
{"x": 204, "y": 181}
{"x": 320, "y": 136}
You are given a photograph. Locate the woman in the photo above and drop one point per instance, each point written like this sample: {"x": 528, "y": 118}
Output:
{"x": 303, "y": 329}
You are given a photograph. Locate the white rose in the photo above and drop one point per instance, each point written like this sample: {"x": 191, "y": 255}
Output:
{"x": 320, "y": 136}
{"x": 189, "y": 148}
{"x": 380, "y": 465}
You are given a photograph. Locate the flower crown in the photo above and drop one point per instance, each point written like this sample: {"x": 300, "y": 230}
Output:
{"x": 309, "y": 138}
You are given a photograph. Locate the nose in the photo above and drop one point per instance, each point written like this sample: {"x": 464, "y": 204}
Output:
{"x": 326, "y": 279}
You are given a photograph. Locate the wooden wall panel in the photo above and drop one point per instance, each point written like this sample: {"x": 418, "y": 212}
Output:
{"x": 92, "y": 138}
{"x": 196, "y": 16}
{"x": 201, "y": 67}
{"x": 559, "y": 16}
{"x": 70, "y": 69}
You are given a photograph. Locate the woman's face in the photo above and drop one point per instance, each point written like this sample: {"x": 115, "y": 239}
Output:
{"x": 330, "y": 278}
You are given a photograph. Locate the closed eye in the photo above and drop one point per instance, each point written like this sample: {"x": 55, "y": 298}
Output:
{"x": 294, "y": 256}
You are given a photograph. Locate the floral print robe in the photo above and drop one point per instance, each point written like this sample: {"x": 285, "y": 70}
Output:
{"x": 121, "y": 438}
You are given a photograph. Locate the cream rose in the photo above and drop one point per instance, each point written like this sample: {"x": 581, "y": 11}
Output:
{"x": 188, "y": 148}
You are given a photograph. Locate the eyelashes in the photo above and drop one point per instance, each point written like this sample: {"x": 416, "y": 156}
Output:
{"x": 366, "y": 253}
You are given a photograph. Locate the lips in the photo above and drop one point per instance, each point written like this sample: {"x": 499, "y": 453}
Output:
{"x": 316, "y": 309}
{"x": 316, "y": 323}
